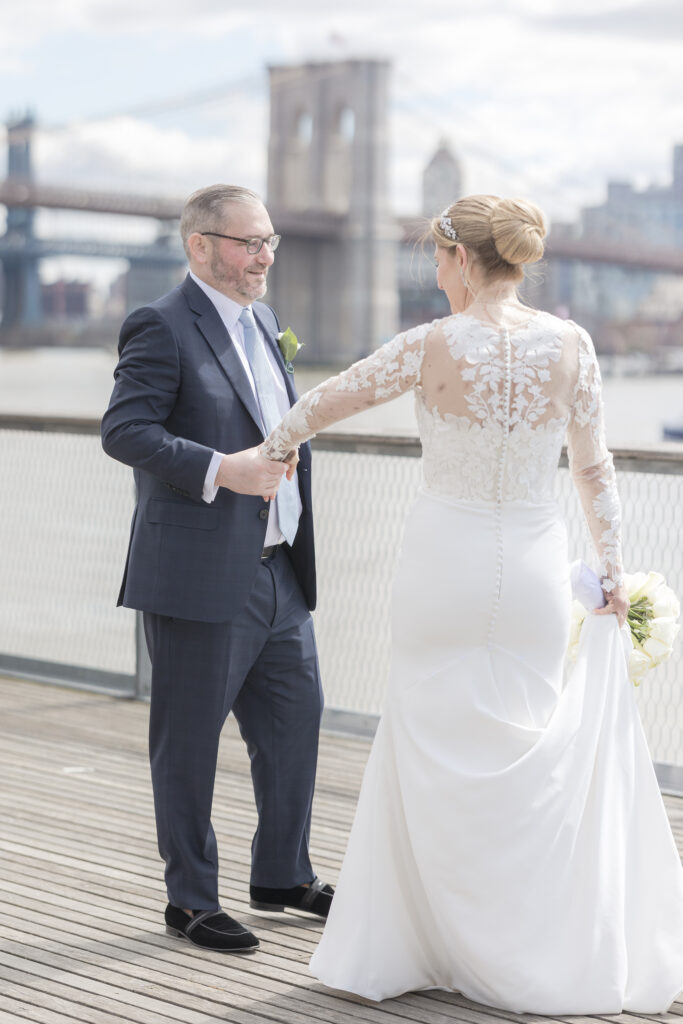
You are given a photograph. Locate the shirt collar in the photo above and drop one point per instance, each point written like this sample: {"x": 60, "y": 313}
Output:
{"x": 228, "y": 310}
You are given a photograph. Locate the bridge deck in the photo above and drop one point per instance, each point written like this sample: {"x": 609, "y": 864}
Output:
{"x": 81, "y": 892}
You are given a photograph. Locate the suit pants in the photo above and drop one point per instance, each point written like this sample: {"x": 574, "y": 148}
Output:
{"x": 263, "y": 666}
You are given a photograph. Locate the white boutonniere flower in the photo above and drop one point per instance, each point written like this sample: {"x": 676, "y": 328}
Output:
{"x": 289, "y": 346}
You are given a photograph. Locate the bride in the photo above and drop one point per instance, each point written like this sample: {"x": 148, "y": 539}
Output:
{"x": 510, "y": 841}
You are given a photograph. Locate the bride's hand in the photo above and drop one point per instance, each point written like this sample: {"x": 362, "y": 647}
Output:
{"x": 617, "y": 604}
{"x": 292, "y": 461}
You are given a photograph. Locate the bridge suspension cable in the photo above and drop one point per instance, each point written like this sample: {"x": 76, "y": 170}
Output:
{"x": 153, "y": 108}
{"x": 446, "y": 123}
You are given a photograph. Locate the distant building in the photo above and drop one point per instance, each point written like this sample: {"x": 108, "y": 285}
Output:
{"x": 116, "y": 300}
{"x": 145, "y": 281}
{"x": 420, "y": 301}
{"x": 653, "y": 216}
{"x": 441, "y": 181}
{"x": 419, "y": 298}
{"x": 603, "y": 297}
{"x": 65, "y": 300}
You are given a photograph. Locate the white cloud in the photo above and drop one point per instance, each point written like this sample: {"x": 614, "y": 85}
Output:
{"x": 645, "y": 19}
{"x": 136, "y": 156}
{"x": 554, "y": 115}
{"x": 30, "y": 20}
{"x": 535, "y": 100}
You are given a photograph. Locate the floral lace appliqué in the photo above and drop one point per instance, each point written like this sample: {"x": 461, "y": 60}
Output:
{"x": 513, "y": 398}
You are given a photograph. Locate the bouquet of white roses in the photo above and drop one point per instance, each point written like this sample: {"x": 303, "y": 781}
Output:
{"x": 652, "y": 617}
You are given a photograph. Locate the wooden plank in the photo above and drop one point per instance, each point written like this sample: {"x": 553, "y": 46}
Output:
{"x": 236, "y": 978}
{"x": 82, "y": 883}
{"x": 47, "y": 1009}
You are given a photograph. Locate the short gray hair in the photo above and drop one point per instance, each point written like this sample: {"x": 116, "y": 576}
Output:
{"x": 204, "y": 210}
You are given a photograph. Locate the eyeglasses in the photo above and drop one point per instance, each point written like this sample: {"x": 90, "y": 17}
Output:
{"x": 254, "y": 245}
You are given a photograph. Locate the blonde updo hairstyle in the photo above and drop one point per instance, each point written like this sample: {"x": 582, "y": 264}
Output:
{"x": 501, "y": 235}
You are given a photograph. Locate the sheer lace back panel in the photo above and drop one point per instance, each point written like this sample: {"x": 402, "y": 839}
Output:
{"x": 481, "y": 387}
{"x": 493, "y": 407}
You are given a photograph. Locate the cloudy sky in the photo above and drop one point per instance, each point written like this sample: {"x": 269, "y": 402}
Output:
{"x": 538, "y": 97}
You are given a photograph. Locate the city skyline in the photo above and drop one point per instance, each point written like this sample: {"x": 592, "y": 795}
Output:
{"x": 534, "y": 100}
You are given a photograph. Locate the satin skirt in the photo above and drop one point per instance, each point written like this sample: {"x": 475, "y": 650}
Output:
{"x": 510, "y": 841}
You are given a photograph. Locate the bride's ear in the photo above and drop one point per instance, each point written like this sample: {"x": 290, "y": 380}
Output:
{"x": 461, "y": 256}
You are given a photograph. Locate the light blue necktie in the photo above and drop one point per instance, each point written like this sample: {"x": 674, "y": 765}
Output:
{"x": 287, "y": 506}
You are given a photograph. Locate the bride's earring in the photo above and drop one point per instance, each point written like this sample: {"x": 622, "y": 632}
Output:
{"x": 469, "y": 296}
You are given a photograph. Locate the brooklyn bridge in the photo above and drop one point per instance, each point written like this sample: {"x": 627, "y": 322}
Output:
{"x": 338, "y": 278}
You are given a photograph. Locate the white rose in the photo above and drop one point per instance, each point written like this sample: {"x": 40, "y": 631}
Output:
{"x": 638, "y": 665}
{"x": 633, "y": 582}
{"x": 647, "y": 585}
{"x": 665, "y": 604}
{"x": 656, "y": 651}
{"x": 664, "y": 630}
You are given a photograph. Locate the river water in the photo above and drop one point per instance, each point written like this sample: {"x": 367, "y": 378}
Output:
{"x": 78, "y": 382}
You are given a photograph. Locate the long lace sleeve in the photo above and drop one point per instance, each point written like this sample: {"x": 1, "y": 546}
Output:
{"x": 387, "y": 373}
{"x": 591, "y": 465}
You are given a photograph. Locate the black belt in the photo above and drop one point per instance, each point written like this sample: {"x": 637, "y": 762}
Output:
{"x": 269, "y": 551}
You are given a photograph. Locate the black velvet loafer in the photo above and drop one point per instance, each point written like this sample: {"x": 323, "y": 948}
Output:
{"x": 315, "y": 898}
{"x": 210, "y": 929}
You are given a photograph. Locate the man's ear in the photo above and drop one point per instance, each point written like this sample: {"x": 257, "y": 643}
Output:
{"x": 198, "y": 247}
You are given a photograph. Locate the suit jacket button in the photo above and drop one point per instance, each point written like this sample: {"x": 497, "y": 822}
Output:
{"x": 263, "y": 514}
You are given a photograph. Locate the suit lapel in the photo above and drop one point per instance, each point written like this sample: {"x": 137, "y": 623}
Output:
{"x": 218, "y": 338}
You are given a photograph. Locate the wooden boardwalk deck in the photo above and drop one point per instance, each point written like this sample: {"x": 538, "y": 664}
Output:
{"x": 82, "y": 897}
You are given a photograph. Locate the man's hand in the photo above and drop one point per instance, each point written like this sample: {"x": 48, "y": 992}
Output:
{"x": 249, "y": 472}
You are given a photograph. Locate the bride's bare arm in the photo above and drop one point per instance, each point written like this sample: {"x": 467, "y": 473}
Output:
{"x": 387, "y": 373}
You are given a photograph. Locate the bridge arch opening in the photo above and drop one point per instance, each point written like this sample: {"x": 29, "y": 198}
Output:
{"x": 303, "y": 128}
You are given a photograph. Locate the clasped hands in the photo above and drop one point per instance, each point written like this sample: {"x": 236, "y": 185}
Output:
{"x": 250, "y": 472}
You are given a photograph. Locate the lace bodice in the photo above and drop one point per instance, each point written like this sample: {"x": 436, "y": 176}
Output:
{"x": 493, "y": 408}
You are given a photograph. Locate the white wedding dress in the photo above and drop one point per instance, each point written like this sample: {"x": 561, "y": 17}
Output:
{"x": 510, "y": 841}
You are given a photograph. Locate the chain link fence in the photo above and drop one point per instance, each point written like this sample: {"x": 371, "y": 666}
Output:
{"x": 361, "y": 497}
{"x": 66, "y": 510}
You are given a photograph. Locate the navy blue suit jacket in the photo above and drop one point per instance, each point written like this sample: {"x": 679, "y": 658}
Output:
{"x": 181, "y": 393}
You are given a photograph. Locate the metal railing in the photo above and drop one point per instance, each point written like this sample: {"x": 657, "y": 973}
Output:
{"x": 64, "y": 525}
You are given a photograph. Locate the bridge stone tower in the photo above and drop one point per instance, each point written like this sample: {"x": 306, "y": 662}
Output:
{"x": 335, "y": 277}
{"x": 21, "y": 285}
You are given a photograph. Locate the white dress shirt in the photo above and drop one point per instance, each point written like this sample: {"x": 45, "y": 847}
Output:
{"x": 229, "y": 312}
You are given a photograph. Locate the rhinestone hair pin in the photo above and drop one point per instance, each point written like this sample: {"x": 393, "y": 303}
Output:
{"x": 446, "y": 225}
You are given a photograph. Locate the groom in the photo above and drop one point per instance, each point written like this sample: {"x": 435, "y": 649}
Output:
{"x": 225, "y": 577}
